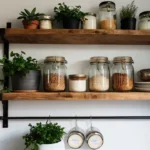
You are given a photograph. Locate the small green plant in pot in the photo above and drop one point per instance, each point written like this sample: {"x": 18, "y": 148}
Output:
{"x": 71, "y": 17}
{"x": 127, "y": 15}
{"x": 25, "y": 73}
{"x": 47, "y": 136}
{"x": 30, "y": 20}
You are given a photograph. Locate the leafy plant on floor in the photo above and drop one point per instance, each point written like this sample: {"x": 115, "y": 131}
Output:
{"x": 48, "y": 133}
{"x": 63, "y": 11}
{"x": 18, "y": 64}
{"x": 128, "y": 11}
{"x": 29, "y": 16}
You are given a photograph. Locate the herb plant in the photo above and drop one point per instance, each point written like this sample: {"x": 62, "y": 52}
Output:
{"x": 48, "y": 133}
{"x": 29, "y": 16}
{"x": 63, "y": 11}
{"x": 18, "y": 64}
{"x": 128, "y": 11}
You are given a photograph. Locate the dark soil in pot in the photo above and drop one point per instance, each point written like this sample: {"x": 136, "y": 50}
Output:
{"x": 28, "y": 83}
{"x": 69, "y": 23}
{"x": 128, "y": 23}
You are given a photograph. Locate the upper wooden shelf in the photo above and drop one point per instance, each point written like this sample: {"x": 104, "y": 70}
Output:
{"x": 78, "y": 36}
{"x": 77, "y": 96}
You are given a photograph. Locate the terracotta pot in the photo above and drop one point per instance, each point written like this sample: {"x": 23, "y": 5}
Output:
{"x": 31, "y": 24}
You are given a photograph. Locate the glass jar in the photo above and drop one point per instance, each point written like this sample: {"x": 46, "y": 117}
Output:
{"x": 99, "y": 74}
{"x": 122, "y": 74}
{"x": 54, "y": 76}
{"x": 45, "y": 22}
{"x": 107, "y": 15}
{"x": 77, "y": 83}
{"x": 89, "y": 21}
{"x": 144, "y": 21}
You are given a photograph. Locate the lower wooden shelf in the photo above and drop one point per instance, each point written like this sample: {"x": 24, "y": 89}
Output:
{"x": 77, "y": 96}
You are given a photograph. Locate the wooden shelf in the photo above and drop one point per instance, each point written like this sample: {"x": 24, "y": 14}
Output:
{"x": 77, "y": 96}
{"x": 78, "y": 36}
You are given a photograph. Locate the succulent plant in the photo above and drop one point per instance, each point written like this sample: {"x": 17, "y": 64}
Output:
{"x": 29, "y": 16}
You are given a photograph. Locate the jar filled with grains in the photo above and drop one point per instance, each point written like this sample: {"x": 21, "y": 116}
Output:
{"x": 46, "y": 22}
{"x": 54, "y": 76}
{"x": 99, "y": 74}
{"x": 107, "y": 15}
{"x": 122, "y": 74}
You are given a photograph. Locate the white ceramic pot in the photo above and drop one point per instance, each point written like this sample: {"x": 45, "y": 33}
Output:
{"x": 56, "y": 146}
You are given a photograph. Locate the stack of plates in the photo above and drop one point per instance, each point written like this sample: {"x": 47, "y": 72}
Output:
{"x": 142, "y": 86}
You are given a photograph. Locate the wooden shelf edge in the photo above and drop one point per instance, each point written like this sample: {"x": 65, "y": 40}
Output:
{"x": 77, "y": 96}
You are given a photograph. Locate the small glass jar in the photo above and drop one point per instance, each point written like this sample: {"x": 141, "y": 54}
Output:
{"x": 144, "y": 21}
{"x": 99, "y": 74}
{"x": 54, "y": 76}
{"x": 89, "y": 21}
{"x": 77, "y": 83}
{"x": 123, "y": 74}
{"x": 45, "y": 22}
{"x": 107, "y": 15}
{"x": 94, "y": 138}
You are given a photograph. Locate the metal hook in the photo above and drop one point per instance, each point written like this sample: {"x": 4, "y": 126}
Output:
{"x": 91, "y": 122}
{"x": 76, "y": 124}
{"x": 49, "y": 119}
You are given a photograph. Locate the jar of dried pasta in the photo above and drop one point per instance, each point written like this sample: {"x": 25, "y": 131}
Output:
{"x": 54, "y": 75}
{"x": 107, "y": 15}
{"x": 99, "y": 74}
{"x": 122, "y": 74}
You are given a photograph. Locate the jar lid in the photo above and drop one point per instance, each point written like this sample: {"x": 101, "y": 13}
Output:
{"x": 46, "y": 17}
{"x": 55, "y": 59}
{"x": 91, "y": 14}
{"x": 144, "y": 13}
{"x": 99, "y": 59}
{"x": 106, "y": 4}
{"x": 123, "y": 59}
{"x": 77, "y": 76}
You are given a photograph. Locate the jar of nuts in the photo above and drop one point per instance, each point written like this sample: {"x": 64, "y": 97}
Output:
{"x": 54, "y": 76}
{"x": 122, "y": 74}
{"x": 99, "y": 74}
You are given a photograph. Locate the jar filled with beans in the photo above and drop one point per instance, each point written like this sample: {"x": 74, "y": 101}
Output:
{"x": 54, "y": 76}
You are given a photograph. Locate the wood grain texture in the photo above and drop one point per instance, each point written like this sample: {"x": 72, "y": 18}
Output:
{"x": 77, "y": 96}
{"x": 78, "y": 36}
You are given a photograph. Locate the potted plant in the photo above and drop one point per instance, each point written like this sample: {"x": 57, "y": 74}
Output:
{"x": 127, "y": 15}
{"x": 25, "y": 73}
{"x": 45, "y": 137}
{"x": 30, "y": 20}
{"x": 70, "y": 16}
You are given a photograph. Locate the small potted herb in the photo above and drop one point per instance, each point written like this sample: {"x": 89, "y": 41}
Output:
{"x": 45, "y": 137}
{"x": 127, "y": 15}
{"x": 25, "y": 73}
{"x": 71, "y": 17}
{"x": 30, "y": 20}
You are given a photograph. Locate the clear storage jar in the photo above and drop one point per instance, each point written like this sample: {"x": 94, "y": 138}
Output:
{"x": 46, "y": 22}
{"x": 107, "y": 15}
{"x": 122, "y": 74}
{"x": 54, "y": 75}
{"x": 99, "y": 74}
{"x": 144, "y": 21}
{"x": 89, "y": 21}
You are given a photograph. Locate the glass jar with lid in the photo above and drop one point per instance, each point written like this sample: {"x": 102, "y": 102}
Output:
{"x": 99, "y": 74}
{"x": 54, "y": 76}
{"x": 107, "y": 15}
{"x": 89, "y": 21}
{"x": 45, "y": 22}
{"x": 122, "y": 74}
{"x": 144, "y": 20}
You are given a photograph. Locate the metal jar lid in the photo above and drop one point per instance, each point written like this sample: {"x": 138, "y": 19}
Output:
{"x": 46, "y": 17}
{"x": 144, "y": 13}
{"x": 91, "y": 14}
{"x": 55, "y": 59}
{"x": 78, "y": 133}
{"x": 93, "y": 133}
{"x": 107, "y": 4}
{"x": 99, "y": 59}
{"x": 77, "y": 77}
{"x": 123, "y": 59}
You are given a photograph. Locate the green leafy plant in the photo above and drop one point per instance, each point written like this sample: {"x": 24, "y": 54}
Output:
{"x": 128, "y": 11}
{"x": 29, "y": 16}
{"x": 63, "y": 11}
{"x": 18, "y": 64}
{"x": 48, "y": 133}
